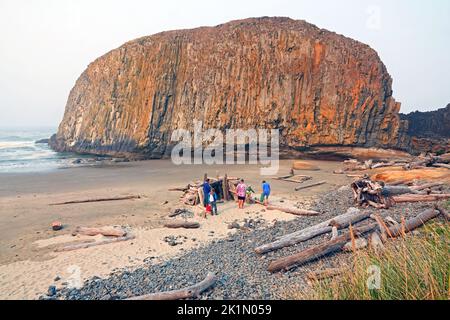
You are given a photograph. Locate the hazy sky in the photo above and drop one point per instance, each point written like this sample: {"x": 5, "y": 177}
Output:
{"x": 46, "y": 44}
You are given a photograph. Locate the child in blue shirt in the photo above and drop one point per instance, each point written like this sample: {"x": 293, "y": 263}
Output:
{"x": 266, "y": 192}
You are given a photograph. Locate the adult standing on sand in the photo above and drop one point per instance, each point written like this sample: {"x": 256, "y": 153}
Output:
{"x": 206, "y": 191}
{"x": 241, "y": 191}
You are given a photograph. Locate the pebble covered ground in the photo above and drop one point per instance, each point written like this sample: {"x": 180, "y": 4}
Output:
{"x": 242, "y": 273}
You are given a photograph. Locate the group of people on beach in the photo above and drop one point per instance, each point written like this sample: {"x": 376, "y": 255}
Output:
{"x": 243, "y": 193}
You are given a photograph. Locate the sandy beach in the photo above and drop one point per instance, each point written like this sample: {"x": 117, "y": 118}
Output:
{"x": 28, "y": 263}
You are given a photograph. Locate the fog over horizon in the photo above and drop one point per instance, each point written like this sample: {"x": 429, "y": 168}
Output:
{"x": 47, "y": 44}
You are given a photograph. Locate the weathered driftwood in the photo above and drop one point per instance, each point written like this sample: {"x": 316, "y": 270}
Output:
{"x": 226, "y": 188}
{"x": 310, "y": 185}
{"x": 413, "y": 223}
{"x": 97, "y": 200}
{"x": 375, "y": 242}
{"x": 182, "y": 224}
{"x": 397, "y": 190}
{"x": 339, "y": 222}
{"x": 444, "y": 213}
{"x": 193, "y": 291}
{"x": 182, "y": 189}
{"x": 420, "y": 197}
{"x": 318, "y": 251}
{"x": 284, "y": 177}
{"x": 326, "y": 273}
{"x": 427, "y": 185}
{"x": 295, "y": 211}
{"x": 93, "y": 244}
{"x": 441, "y": 165}
{"x": 108, "y": 232}
{"x": 356, "y": 244}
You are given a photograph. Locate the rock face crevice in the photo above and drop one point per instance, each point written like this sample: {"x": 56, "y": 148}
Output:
{"x": 317, "y": 87}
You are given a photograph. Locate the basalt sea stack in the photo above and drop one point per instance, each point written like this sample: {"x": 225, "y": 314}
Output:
{"x": 317, "y": 87}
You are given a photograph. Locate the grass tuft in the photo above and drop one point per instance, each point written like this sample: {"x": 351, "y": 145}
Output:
{"x": 415, "y": 267}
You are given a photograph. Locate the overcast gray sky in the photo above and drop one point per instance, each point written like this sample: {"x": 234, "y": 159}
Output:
{"x": 46, "y": 44}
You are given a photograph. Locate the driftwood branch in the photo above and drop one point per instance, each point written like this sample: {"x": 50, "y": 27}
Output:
{"x": 295, "y": 211}
{"x": 420, "y": 197}
{"x": 193, "y": 291}
{"x": 97, "y": 200}
{"x": 413, "y": 223}
{"x": 93, "y": 244}
{"x": 310, "y": 185}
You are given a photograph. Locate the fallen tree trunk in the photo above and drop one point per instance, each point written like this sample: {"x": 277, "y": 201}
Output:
{"x": 182, "y": 224}
{"x": 93, "y": 244}
{"x": 413, "y": 223}
{"x": 444, "y": 213}
{"x": 420, "y": 197}
{"x": 110, "y": 232}
{"x": 397, "y": 190}
{"x": 441, "y": 165}
{"x": 295, "y": 211}
{"x": 97, "y": 200}
{"x": 427, "y": 185}
{"x": 339, "y": 222}
{"x": 318, "y": 251}
{"x": 193, "y": 291}
{"x": 310, "y": 185}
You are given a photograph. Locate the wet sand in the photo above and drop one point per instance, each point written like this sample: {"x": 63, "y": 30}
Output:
{"x": 28, "y": 263}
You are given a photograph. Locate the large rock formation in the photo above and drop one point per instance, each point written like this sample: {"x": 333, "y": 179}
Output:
{"x": 432, "y": 124}
{"x": 429, "y": 131}
{"x": 317, "y": 87}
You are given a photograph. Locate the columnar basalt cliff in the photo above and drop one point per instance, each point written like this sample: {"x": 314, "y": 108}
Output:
{"x": 429, "y": 131}
{"x": 317, "y": 87}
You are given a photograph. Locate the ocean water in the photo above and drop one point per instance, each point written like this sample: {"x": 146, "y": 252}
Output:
{"x": 20, "y": 153}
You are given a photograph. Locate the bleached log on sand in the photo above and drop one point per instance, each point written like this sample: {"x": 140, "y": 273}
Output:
{"x": 93, "y": 244}
{"x": 294, "y": 211}
{"x": 108, "y": 232}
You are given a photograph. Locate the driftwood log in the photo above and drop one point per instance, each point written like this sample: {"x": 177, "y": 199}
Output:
{"x": 182, "y": 224}
{"x": 413, "y": 223}
{"x": 108, "y": 232}
{"x": 93, "y": 244}
{"x": 339, "y": 222}
{"x": 337, "y": 244}
{"x": 318, "y": 251}
{"x": 427, "y": 185}
{"x": 310, "y": 185}
{"x": 420, "y": 197}
{"x": 294, "y": 211}
{"x": 97, "y": 200}
{"x": 193, "y": 291}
